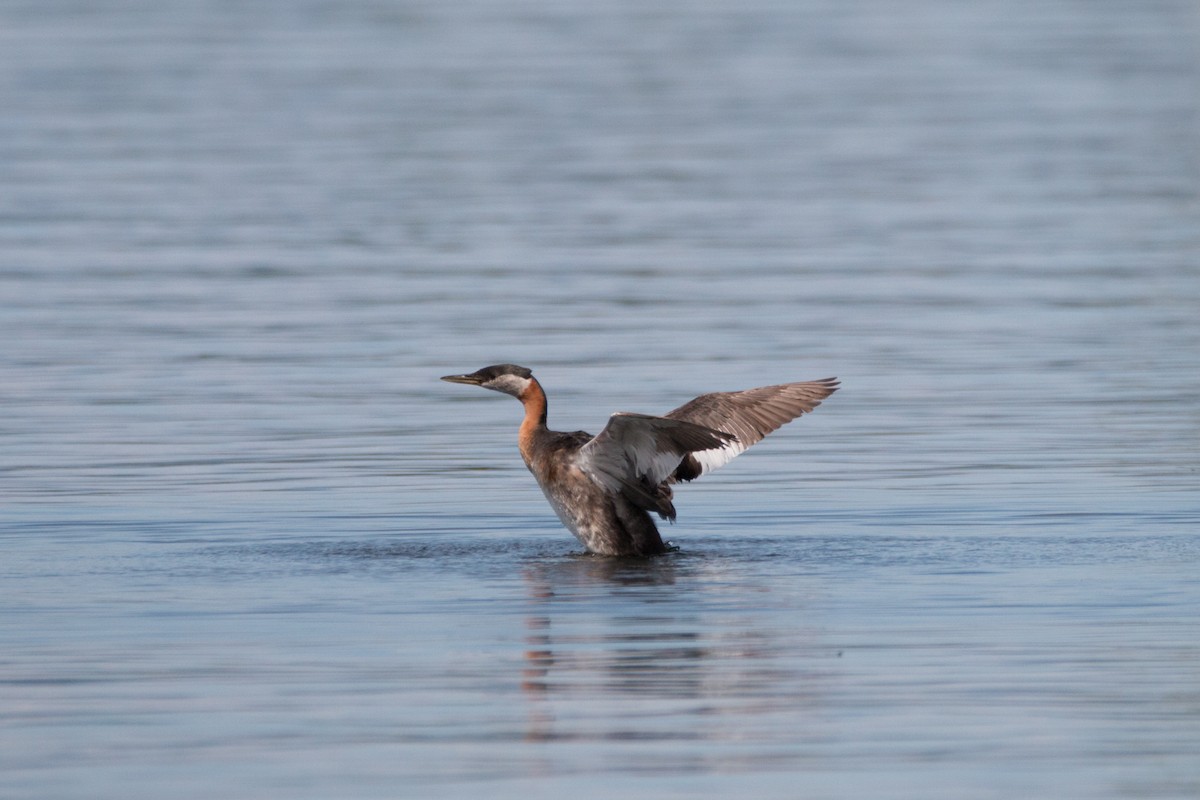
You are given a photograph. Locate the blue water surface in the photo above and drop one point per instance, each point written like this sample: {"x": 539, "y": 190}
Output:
{"x": 253, "y": 548}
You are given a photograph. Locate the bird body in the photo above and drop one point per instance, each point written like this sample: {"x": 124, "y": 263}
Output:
{"x": 604, "y": 487}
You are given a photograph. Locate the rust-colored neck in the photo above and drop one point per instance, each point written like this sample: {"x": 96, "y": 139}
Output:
{"x": 534, "y": 400}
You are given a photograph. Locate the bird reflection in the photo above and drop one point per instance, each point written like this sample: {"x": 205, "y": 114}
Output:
{"x": 633, "y": 636}
{"x": 577, "y": 578}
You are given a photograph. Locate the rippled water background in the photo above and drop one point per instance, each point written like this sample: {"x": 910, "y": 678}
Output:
{"x": 252, "y": 548}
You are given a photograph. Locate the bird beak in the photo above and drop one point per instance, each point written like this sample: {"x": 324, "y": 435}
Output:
{"x": 472, "y": 380}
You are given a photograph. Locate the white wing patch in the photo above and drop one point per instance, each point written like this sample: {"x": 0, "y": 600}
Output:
{"x": 718, "y": 457}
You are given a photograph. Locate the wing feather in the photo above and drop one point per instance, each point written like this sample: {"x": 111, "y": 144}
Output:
{"x": 636, "y": 454}
{"x": 748, "y": 415}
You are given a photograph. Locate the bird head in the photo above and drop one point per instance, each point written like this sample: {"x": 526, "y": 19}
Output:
{"x": 506, "y": 378}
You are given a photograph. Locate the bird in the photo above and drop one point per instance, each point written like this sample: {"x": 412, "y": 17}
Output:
{"x": 604, "y": 487}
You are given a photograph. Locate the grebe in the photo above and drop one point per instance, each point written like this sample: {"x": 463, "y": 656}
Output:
{"x": 602, "y": 486}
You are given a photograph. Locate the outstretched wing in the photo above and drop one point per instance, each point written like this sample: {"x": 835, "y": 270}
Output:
{"x": 635, "y": 454}
{"x": 748, "y": 415}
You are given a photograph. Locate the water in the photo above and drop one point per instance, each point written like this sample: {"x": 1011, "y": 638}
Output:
{"x": 253, "y": 548}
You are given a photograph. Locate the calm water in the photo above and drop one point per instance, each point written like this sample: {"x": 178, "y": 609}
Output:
{"x": 252, "y": 548}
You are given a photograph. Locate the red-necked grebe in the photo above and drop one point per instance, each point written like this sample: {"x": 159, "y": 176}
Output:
{"x": 602, "y": 486}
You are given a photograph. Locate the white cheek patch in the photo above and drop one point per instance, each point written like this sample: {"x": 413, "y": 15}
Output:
{"x": 509, "y": 384}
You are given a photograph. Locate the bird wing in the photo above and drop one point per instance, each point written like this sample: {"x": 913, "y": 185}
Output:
{"x": 635, "y": 454}
{"x": 748, "y": 415}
